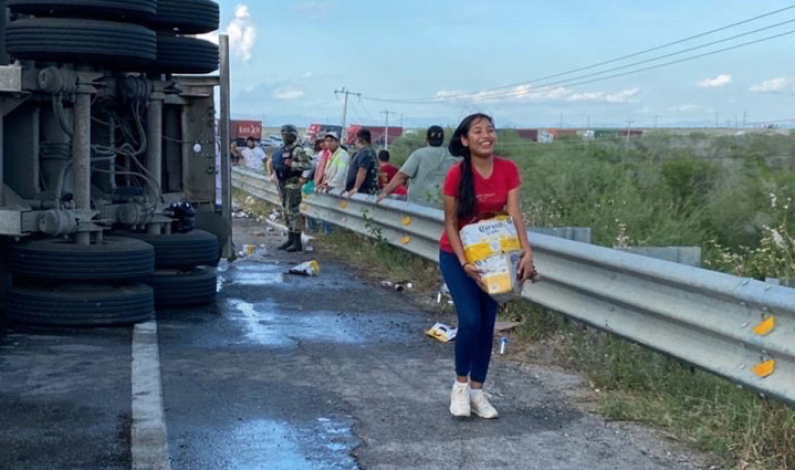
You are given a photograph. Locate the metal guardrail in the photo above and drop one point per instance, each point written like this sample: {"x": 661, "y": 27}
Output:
{"x": 737, "y": 328}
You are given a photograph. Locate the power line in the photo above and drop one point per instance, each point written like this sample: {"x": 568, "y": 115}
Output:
{"x": 366, "y": 110}
{"x": 672, "y": 54}
{"x": 646, "y": 51}
{"x": 631, "y": 72}
{"x": 345, "y": 92}
{"x": 606, "y": 62}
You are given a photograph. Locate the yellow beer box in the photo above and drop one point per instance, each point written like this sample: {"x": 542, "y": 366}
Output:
{"x": 500, "y": 273}
{"x": 493, "y": 246}
{"x": 489, "y": 237}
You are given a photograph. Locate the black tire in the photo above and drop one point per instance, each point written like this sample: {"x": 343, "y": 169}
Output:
{"x": 175, "y": 289}
{"x": 187, "y": 16}
{"x": 116, "y": 259}
{"x": 80, "y": 305}
{"x": 178, "y": 54}
{"x": 90, "y": 42}
{"x": 119, "y": 10}
{"x": 182, "y": 250}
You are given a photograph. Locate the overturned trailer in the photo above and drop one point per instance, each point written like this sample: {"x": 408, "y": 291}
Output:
{"x": 108, "y": 159}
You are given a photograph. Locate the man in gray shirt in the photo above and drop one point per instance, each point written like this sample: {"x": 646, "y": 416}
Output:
{"x": 426, "y": 169}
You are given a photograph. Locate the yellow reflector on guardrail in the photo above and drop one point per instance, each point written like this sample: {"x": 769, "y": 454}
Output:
{"x": 765, "y": 369}
{"x": 766, "y": 327}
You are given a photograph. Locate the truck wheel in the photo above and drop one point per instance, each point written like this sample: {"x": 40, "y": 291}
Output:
{"x": 80, "y": 305}
{"x": 88, "y": 42}
{"x": 60, "y": 260}
{"x": 178, "y": 54}
{"x": 181, "y": 250}
{"x": 121, "y": 10}
{"x": 175, "y": 288}
{"x": 187, "y": 16}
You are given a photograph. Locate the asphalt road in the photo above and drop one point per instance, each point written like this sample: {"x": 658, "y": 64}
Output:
{"x": 285, "y": 372}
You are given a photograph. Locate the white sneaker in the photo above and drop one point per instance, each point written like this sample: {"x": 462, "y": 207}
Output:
{"x": 480, "y": 406}
{"x": 459, "y": 401}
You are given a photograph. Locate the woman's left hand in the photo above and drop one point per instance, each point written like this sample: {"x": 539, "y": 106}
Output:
{"x": 526, "y": 267}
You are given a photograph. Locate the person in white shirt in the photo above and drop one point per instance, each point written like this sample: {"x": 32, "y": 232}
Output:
{"x": 253, "y": 156}
{"x": 337, "y": 167}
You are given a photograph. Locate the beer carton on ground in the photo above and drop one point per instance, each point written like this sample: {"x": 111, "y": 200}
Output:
{"x": 493, "y": 246}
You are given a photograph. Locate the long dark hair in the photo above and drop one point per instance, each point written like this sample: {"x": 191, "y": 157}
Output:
{"x": 466, "y": 187}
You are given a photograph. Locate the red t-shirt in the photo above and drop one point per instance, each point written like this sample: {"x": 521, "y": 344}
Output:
{"x": 388, "y": 171}
{"x": 491, "y": 193}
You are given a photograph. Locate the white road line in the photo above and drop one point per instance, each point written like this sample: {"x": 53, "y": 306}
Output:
{"x": 149, "y": 437}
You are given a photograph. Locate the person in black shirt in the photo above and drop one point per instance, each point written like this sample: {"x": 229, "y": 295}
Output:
{"x": 363, "y": 169}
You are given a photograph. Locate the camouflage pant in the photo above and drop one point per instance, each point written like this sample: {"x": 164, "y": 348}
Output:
{"x": 291, "y": 197}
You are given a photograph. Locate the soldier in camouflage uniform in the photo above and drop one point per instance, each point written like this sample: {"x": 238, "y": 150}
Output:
{"x": 295, "y": 160}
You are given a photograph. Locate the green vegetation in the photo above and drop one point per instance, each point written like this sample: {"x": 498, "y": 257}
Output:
{"x": 730, "y": 195}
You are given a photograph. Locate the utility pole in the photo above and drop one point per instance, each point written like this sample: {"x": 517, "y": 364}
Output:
{"x": 346, "y": 93}
{"x": 386, "y": 128}
{"x": 561, "y": 121}
{"x": 629, "y": 129}
{"x": 745, "y": 114}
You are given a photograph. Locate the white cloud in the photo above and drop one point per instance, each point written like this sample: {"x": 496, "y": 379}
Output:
{"x": 308, "y": 75}
{"x": 288, "y": 93}
{"x": 625, "y": 96}
{"x": 720, "y": 81}
{"x": 525, "y": 93}
{"x": 774, "y": 85}
{"x": 242, "y": 34}
{"x": 691, "y": 108}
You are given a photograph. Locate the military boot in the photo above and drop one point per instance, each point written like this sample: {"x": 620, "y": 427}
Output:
{"x": 297, "y": 246}
{"x": 290, "y": 242}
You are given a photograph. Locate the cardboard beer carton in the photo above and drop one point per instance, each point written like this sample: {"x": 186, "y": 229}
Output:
{"x": 493, "y": 246}
{"x": 489, "y": 237}
{"x": 500, "y": 273}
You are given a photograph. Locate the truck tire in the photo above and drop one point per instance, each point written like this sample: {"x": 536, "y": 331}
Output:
{"x": 80, "y": 304}
{"x": 89, "y": 42}
{"x": 178, "y": 54}
{"x": 182, "y": 250}
{"x": 175, "y": 289}
{"x": 120, "y": 10}
{"x": 116, "y": 259}
{"x": 187, "y": 16}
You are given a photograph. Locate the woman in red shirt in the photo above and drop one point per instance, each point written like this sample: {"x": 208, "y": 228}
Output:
{"x": 480, "y": 184}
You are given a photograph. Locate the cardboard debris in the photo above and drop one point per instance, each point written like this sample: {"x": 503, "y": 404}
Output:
{"x": 309, "y": 268}
{"x": 442, "y": 332}
{"x": 401, "y": 286}
{"x": 241, "y": 215}
{"x": 502, "y": 327}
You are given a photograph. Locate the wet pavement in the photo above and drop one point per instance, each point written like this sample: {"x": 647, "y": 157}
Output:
{"x": 304, "y": 373}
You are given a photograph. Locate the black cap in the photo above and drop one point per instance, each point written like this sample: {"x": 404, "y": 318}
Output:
{"x": 435, "y": 136}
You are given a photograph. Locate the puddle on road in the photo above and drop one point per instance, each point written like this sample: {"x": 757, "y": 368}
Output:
{"x": 276, "y": 445}
{"x": 259, "y": 274}
{"x": 266, "y": 325}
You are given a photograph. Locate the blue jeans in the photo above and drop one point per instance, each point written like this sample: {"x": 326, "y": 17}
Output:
{"x": 477, "y": 312}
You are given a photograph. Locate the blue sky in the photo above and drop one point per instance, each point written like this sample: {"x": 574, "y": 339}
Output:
{"x": 289, "y": 57}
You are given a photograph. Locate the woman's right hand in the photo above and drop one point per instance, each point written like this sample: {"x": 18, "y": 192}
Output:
{"x": 475, "y": 273}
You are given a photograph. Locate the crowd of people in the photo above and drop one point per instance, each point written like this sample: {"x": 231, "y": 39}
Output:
{"x": 464, "y": 179}
{"x": 362, "y": 170}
